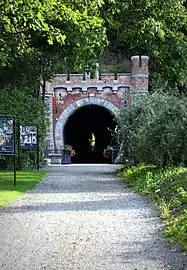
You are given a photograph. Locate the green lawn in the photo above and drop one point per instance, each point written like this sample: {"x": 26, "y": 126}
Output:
{"x": 25, "y": 180}
{"x": 168, "y": 189}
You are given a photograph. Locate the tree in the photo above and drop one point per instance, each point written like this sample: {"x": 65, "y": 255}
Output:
{"x": 29, "y": 111}
{"x": 44, "y": 29}
{"x": 36, "y": 35}
{"x": 154, "y": 27}
{"x": 37, "y": 24}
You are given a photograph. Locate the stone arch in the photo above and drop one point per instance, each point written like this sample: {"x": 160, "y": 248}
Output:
{"x": 59, "y": 130}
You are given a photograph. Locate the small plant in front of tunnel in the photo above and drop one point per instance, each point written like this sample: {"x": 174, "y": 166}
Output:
{"x": 72, "y": 153}
{"x": 108, "y": 152}
{"x": 67, "y": 154}
{"x": 69, "y": 150}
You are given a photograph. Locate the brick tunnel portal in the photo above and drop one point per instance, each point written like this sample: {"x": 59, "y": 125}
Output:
{"x": 90, "y": 129}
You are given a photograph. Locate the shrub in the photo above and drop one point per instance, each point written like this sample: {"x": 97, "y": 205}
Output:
{"x": 154, "y": 129}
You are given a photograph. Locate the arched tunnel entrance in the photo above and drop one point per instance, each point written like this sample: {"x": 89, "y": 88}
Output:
{"x": 88, "y": 124}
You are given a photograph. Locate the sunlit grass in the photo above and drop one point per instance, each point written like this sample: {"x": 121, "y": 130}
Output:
{"x": 26, "y": 180}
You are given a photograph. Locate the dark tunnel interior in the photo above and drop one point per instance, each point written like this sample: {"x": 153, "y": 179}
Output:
{"x": 87, "y": 123}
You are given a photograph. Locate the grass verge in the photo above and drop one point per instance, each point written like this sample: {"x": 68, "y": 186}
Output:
{"x": 25, "y": 180}
{"x": 168, "y": 189}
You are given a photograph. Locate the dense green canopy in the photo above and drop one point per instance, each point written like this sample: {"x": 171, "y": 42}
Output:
{"x": 71, "y": 27}
{"x": 154, "y": 27}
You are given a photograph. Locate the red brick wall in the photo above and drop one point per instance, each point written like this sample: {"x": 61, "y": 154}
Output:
{"x": 70, "y": 98}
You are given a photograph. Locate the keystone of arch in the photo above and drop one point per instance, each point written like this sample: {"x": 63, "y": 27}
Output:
{"x": 59, "y": 130}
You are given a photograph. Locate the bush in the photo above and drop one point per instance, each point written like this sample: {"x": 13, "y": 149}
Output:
{"x": 154, "y": 129}
{"x": 27, "y": 110}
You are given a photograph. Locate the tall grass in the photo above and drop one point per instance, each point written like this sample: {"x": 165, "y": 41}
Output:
{"x": 167, "y": 187}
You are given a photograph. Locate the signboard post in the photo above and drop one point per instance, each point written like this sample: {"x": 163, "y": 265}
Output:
{"x": 38, "y": 152}
{"x": 14, "y": 132}
{"x": 28, "y": 138}
{"x": 7, "y": 139}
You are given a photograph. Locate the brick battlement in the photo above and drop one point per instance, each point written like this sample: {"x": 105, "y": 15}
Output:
{"x": 137, "y": 80}
{"x": 76, "y": 81}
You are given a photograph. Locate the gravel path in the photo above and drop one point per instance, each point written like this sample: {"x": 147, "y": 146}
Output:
{"x": 83, "y": 217}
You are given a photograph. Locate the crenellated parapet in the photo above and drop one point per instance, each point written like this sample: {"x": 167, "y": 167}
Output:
{"x": 136, "y": 81}
{"x": 76, "y": 82}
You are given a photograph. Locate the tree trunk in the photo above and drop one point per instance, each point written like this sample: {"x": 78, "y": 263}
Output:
{"x": 165, "y": 160}
{"x": 43, "y": 90}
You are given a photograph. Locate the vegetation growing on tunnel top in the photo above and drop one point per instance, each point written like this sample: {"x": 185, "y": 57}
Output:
{"x": 26, "y": 180}
{"x": 167, "y": 187}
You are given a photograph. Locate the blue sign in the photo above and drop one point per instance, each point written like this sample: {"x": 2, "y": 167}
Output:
{"x": 28, "y": 137}
{"x": 6, "y": 135}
